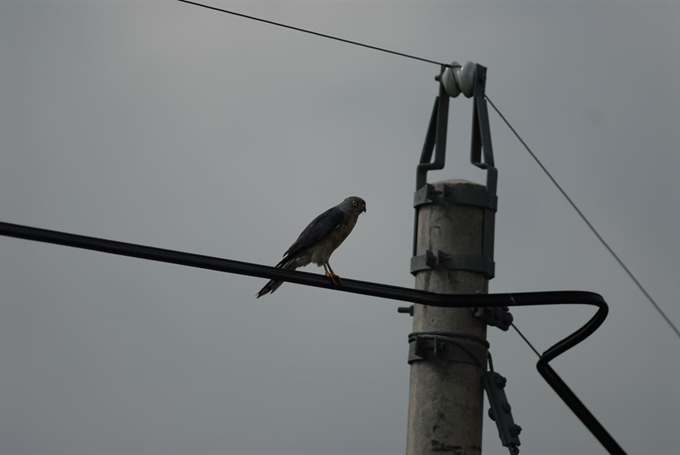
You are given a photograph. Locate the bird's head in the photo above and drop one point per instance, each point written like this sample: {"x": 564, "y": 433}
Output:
{"x": 354, "y": 204}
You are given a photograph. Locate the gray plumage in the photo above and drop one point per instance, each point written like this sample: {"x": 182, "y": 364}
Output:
{"x": 319, "y": 239}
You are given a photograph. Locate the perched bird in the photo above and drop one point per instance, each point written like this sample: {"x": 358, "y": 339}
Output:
{"x": 319, "y": 239}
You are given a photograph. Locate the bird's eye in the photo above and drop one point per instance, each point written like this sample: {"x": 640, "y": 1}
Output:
{"x": 355, "y": 203}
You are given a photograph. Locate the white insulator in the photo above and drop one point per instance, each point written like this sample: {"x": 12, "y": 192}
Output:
{"x": 466, "y": 78}
{"x": 448, "y": 80}
{"x": 457, "y": 79}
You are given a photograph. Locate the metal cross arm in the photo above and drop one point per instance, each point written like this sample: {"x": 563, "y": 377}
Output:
{"x": 469, "y": 79}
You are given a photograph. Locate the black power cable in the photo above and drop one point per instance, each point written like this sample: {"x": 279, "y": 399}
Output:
{"x": 367, "y": 288}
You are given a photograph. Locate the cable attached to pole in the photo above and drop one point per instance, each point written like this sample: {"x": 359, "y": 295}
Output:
{"x": 588, "y": 223}
{"x": 322, "y": 35}
{"x": 366, "y": 288}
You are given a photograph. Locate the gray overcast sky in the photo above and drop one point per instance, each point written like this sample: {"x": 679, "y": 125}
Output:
{"x": 161, "y": 123}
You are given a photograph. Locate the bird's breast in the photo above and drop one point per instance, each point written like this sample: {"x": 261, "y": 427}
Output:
{"x": 324, "y": 249}
{"x": 343, "y": 230}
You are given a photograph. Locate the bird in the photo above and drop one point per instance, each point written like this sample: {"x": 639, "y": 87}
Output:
{"x": 319, "y": 240}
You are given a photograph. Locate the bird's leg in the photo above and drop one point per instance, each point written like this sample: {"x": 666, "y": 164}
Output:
{"x": 334, "y": 278}
{"x": 326, "y": 273}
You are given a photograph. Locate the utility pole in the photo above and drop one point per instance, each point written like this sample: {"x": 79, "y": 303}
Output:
{"x": 446, "y": 394}
{"x": 453, "y": 254}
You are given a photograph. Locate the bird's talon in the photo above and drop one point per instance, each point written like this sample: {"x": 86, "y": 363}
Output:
{"x": 334, "y": 278}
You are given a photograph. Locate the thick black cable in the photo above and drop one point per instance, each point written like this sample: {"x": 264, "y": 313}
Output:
{"x": 263, "y": 271}
{"x": 366, "y": 288}
{"x": 592, "y": 228}
{"x": 309, "y": 279}
{"x": 323, "y": 35}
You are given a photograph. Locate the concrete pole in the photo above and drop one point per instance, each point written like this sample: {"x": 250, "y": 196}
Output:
{"x": 446, "y": 397}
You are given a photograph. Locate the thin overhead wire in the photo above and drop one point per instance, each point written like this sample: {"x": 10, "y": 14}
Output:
{"x": 323, "y": 35}
{"x": 588, "y": 223}
{"x": 526, "y": 340}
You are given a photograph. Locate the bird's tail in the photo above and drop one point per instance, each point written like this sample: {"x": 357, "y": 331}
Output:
{"x": 273, "y": 285}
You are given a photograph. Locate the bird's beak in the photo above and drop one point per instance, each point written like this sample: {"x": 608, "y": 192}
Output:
{"x": 363, "y": 208}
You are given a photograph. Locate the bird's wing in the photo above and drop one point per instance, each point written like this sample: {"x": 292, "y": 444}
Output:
{"x": 318, "y": 229}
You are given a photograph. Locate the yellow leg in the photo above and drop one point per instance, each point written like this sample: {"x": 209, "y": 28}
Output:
{"x": 331, "y": 274}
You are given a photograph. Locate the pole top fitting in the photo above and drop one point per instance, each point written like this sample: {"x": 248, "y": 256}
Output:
{"x": 458, "y": 79}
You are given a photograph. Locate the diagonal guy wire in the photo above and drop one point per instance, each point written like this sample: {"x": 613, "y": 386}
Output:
{"x": 526, "y": 340}
{"x": 592, "y": 228}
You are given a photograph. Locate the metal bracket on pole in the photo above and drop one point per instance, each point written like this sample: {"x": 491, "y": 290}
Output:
{"x": 448, "y": 347}
{"x": 470, "y": 79}
{"x": 471, "y": 262}
{"x": 498, "y": 317}
{"x": 459, "y": 195}
{"x": 500, "y": 411}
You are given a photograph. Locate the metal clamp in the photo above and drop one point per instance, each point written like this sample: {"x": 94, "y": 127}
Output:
{"x": 470, "y": 195}
{"x": 471, "y": 262}
{"x": 495, "y": 316}
{"x": 464, "y": 195}
{"x": 500, "y": 410}
{"x": 448, "y": 347}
